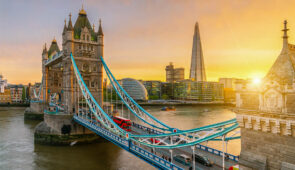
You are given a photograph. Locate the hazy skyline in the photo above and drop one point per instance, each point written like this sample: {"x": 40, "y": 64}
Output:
{"x": 239, "y": 38}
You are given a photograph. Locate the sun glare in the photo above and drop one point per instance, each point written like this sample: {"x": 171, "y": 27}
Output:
{"x": 256, "y": 81}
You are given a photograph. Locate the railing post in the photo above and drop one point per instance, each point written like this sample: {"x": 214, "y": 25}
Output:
{"x": 223, "y": 153}
{"x": 171, "y": 155}
{"x": 194, "y": 163}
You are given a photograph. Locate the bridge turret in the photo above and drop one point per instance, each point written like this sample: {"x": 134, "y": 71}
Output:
{"x": 100, "y": 48}
{"x": 100, "y": 37}
{"x": 44, "y": 59}
{"x": 68, "y": 37}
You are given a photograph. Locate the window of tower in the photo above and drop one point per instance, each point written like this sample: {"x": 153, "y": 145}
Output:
{"x": 94, "y": 68}
{"x": 83, "y": 37}
{"x": 79, "y": 46}
{"x": 92, "y": 84}
{"x": 87, "y": 37}
{"x": 85, "y": 67}
{"x": 91, "y": 48}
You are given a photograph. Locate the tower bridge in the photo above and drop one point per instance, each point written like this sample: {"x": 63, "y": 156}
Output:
{"x": 72, "y": 91}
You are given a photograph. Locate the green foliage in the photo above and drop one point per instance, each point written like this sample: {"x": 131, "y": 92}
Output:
{"x": 24, "y": 94}
{"x": 165, "y": 97}
{"x": 154, "y": 97}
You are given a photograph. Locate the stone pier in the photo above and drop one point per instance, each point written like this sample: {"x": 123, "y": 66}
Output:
{"x": 35, "y": 111}
{"x": 60, "y": 129}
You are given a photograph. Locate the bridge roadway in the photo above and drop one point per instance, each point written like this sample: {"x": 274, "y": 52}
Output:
{"x": 187, "y": 151}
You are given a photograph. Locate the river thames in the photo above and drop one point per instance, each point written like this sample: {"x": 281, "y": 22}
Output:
{"x": 18, "y": 151}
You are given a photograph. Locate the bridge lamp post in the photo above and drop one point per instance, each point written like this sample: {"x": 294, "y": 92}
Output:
{"x": 171, "y": 152}
{"x": 194, "y": 163}
{"x": 223, "y": 152}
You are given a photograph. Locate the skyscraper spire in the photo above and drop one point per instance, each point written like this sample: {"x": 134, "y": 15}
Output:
{"x": 100, "y": 28}
{"x": 285, "y": 36}
{"x": 70, "y": 25}
{"x": 197, "y": 70}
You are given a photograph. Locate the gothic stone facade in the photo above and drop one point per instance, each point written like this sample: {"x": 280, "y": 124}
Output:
{"x": 86, "y": 45}
{"x": 266, "y": 115}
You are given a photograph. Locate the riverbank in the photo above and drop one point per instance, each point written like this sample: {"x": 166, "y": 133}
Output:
{"x": 186, "y": 104}
{"x": 15, "y": 105}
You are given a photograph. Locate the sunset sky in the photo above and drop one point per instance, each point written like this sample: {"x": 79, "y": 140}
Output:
{"x": 240, "y": 38}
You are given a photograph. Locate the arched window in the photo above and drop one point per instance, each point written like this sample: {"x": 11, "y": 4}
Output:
{"x": 85, "y": 67}
{"x": 83, "y": 37}
{"x": 87, "y": 37}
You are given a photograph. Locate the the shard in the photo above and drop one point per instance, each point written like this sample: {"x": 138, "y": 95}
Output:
{"x": 197, "y": 71}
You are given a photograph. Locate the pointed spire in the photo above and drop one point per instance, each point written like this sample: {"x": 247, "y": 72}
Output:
{"x": 44, "y": 49}
{"x": 70, "y": 25}
{"x": 197, "y": 70}
{"x": 82, "y": 11}
{"x": 65, "y": 27}
{"x": 100, "y": 28}
{"x": 54, "y": 40}
{"x": 285, "y": 37}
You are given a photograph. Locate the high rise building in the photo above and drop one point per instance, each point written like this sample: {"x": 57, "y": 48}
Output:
{"x": 174, "y": 74}
{"x": 197, "y": 70}
{"x": 3, "y": 84}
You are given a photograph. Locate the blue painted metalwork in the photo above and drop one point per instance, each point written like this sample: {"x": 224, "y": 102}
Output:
{"x": 93, "y": 105}
{"x": 111, "y": 77}
{"x": 202, "y": 147}
{"x": 128, "y": 146}
{"x": 217, "y": 152}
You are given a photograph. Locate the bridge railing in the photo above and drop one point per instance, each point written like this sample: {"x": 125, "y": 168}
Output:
{"x": 147, "y": 155}
{"x": 146, "y": 128}
{"x": 217, "y": 152}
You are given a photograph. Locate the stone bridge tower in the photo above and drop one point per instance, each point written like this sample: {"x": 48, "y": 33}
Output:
{"x": 266, "y": 115}
{"x": 86, "y": 45}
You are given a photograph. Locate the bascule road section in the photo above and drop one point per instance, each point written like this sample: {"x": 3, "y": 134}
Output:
{"x": 71, "y": 97}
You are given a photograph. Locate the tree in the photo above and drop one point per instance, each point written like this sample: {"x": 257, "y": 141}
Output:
{"x": 24, "y": 94}
{"x": 165, "y": 97}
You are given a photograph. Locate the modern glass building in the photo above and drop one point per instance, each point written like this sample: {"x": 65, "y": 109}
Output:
{"x": 198, "y": 91}
{"x": 135, "y": 89}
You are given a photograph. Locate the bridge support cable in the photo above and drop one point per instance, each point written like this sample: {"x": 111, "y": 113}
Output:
{"x": 37, "y": 96}
{"x": 94, "y": 107}
{"x": 182, "y": 139}
{"x": 135, "y": 109}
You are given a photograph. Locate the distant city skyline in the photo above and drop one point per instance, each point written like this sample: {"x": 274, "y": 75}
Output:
{"x": 240, "y": 39}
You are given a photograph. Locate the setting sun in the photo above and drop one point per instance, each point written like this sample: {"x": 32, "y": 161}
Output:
{"x": 256, "y": 81}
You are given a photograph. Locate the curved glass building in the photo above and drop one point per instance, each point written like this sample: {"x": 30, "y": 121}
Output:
{"x": 135, "y": 89}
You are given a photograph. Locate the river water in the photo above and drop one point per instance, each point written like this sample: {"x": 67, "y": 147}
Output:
{"x": 18, "y": 151}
